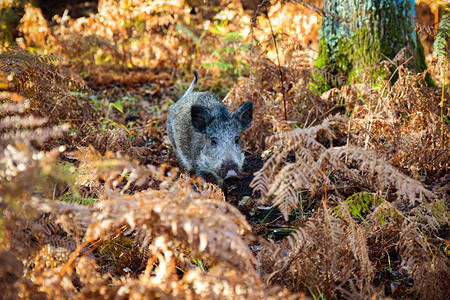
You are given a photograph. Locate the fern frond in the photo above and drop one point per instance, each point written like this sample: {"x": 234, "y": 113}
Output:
{"x": 17, "y": 122}
{"x": 302, "y": 155}
{"x": 441, "y": 41}
{"x": 327, "y": 253}
{"x": 40, "y": 135}
{"x": 282, "y": 178}
{"x": 426, "y": 263}
{"x": 39, "y": 79}
{"x": 186, "y": 218}
{"x": 104, "y": 140}
{"x": 358, "y": 244}
{"x": 159, "y": 213}
{"x": 375, "y": 172}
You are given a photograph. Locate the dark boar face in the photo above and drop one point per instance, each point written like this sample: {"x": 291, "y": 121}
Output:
{"x": 221, "y": 158}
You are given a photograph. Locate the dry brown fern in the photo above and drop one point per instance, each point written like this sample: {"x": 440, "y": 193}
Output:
{"x": 22, "y": 166}
{"x": 293, "y": 165}
{"x": 50, "y": 96}
{"x": 278, "y": 86}
{"x": 164, "y": 221}
{"x": 39, "y": 79}
{"x": 103, "y": 44}
{"x": 425, "y": 262}
{"x": 104, "y": 140}
{"x": 221, "y": 283}
{"x": 33, "y": 27}
{"x": 326, "y": 256}
{"x": 364, "y": 168}
{"x": 411, "y": 236}
{"x": 27, "y": 175}
{"x": 402, "y": 121}
{"x": 304, "y": 159}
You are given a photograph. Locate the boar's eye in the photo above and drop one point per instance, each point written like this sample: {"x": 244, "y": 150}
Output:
{"x": 214, "y": 142}
{"x": 237, "y": 140}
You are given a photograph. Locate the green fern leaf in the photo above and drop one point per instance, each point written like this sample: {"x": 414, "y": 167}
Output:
{"x": 440, "y": 43}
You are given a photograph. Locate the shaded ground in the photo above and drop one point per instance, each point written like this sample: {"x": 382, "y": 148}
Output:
{"x": 75, "y": 8}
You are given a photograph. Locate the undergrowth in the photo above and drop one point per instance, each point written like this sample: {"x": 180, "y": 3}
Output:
{"x": 93, "y": 206}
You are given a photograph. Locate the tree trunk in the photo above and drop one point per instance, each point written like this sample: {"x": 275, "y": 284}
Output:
{"x": 361, "y": 33}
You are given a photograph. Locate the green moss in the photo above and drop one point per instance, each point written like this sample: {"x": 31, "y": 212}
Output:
{"x": 375, "y": 34}
{"x": 324, "y": 58}
{"x": 421, "y": 64}
{"x": 343, "y": 56}
{"x": 338, "y": 59}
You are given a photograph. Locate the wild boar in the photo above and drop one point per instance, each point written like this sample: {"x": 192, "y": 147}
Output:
{"x": 206, "y": 137}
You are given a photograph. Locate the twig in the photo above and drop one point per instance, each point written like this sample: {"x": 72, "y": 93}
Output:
{"x": 279, "y": 66}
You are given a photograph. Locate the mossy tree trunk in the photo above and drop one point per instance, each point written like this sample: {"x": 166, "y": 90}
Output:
{"x": 363, "y": 32}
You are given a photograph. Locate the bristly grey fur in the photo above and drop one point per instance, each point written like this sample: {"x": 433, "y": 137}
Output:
{"x": 206, "y": 136}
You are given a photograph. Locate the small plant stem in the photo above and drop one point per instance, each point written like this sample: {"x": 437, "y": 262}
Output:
{"x": 263, "y": 220}
{"x": 325, "y": 183}
{"x": 72, "y": 258}
{"x": 279, "y": 66}
{"x": 52, "y": 263}
{"x": 274, "y": 220}
{"x": 300, "y": 198}
{"x": 327, "y": 282}
{"x": 442, "y": 96}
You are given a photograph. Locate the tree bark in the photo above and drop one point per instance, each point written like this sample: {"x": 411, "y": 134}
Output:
{"x": 361, "y": 33}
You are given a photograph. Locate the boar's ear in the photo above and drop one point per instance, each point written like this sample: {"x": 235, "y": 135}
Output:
{"x": 244, "y": 114}
{"x": 201, "y": 118}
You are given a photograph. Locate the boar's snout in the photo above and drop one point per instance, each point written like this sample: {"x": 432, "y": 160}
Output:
{"x": 230, "y": 172}
{"x": 232, "y": 177}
